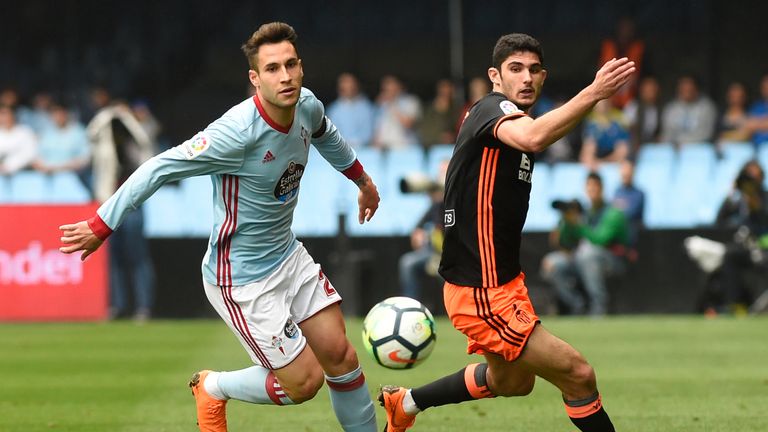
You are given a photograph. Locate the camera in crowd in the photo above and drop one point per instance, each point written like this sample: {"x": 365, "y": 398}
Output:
{"x": 420, "y": 183}
{"x": 566, "y": 205}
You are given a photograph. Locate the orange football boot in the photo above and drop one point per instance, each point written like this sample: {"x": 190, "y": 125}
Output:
{"x": 391, "y": 398}
{"x": 211, "y": 412}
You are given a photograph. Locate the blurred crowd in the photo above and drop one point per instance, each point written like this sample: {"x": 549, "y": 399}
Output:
{"x": 104, "y": 140}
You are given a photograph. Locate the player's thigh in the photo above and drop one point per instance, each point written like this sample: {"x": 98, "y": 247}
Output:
{"x": 507, "y": 378}
{"x": 558, "y": 362}
{"x": 325, "y": 332}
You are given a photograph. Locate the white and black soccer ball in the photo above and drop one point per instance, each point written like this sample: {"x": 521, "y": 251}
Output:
{"x": 399, "y": 332}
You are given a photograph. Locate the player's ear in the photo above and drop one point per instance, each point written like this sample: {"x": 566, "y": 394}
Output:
{"x": 544, "y": 75}
{"x": 494, "y": 75}
{"x": 253, "y": 77}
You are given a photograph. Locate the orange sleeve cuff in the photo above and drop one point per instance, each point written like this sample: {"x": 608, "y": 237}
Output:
{"x": 505, "y": 118}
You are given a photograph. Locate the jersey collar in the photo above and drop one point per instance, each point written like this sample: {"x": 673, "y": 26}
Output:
{"x": 273, "y": 124}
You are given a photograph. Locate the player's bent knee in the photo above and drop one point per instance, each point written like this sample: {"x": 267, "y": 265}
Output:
{"x": 306, "y": 389}
{"x": 342, "y": 357}
{"x": 583, "y": 375}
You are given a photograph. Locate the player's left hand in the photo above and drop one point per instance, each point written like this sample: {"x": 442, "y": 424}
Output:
{"x": 367, "y": 201}
{"x": 79, "y": 237}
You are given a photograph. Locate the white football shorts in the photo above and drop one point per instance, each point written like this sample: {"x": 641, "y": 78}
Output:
{"x": 264, "y": 315}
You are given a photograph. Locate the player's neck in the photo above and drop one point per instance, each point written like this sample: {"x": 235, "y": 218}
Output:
{"x": 283, "y": 116}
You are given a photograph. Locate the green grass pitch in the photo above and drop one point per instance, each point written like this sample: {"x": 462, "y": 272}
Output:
{"x": 655, "y": 374}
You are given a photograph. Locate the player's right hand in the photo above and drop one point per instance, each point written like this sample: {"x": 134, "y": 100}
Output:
{"x": 79, "y": 237}
{"x": 614, "y": 74}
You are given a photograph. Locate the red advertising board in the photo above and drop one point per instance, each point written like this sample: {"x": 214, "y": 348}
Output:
{"x": 39, "y": 283}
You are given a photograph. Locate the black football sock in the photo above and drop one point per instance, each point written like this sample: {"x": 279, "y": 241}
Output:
{"x": 467, "y": 384}
{"x": 588, "y": 414}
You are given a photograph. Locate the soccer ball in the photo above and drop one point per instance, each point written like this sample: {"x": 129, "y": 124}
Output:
{"x": 399, "y": 333}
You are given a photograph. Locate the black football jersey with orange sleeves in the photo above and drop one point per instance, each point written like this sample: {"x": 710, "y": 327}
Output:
{"x": 487, "y": 189}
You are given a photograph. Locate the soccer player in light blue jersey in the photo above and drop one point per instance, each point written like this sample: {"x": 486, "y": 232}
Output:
{"x": 257, "y": 276}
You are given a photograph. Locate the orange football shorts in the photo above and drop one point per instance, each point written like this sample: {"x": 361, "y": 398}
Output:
{"x": 495, "y": 320}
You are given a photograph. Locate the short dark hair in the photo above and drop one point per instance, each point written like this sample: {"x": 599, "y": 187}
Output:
{"x": 512, "y": 43}
{"x": 593, "y": 175}
{"x": 270, "y": 33}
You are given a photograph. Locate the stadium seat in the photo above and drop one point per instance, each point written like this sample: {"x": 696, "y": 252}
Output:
{"x": 541, "y": 215}
{"x": 164, "y": 214}
{"x": 196, "y": 195}
{"x": 737, "y": 153}
{"x": 656, "y": 153}
{"x": 437, "y": 154}
{"x": 66, "y": 188}
{"x": 609, "y": 172}
{"x": 399, "y": 163}
{"x": 654, "y": 180}
{"x": 30, "y": 187}
{"x": 371, "y": 158}
{"x": 692, "y": 184}
{"x": 762, "y": 158}
{"x": 321, "y": 197}
{"x": 567, "y": 181}
{"x": 5, "y": 190}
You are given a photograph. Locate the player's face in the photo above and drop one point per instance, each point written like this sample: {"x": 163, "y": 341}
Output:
{"x": 520, "y": 78}
{"x": 279, "y": 75}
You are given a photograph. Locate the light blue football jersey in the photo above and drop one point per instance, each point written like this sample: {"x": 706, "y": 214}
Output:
{"x": 256, "y": 168}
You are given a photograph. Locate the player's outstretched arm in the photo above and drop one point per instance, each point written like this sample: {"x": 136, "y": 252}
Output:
{"x": 367, "y": 199}
{"x": 536, "y": 135}
{"x": 79, "y": 237}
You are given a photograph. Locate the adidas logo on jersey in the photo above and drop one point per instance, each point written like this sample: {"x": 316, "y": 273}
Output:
{"x": 269, "y": 157}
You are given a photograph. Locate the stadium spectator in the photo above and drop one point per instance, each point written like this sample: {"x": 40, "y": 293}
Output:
{"x": 478, "y": 87}
{"x": 39, "y": 117}
{"x": 98, "y": 98}
{"x": 352, "y": 112}
{"x": 120, "y": 145}
{"x": 64, "y": 145}
{"x": 396, "y": 116}
{"x": 643, "y": 115}
{"x": 605, "y": 136}
{"x": 734, "y": 210}
{"x": 746, "y": 210}
{"x": 426, "y": 239}
{"x": 732, "y": 121}
{"x": 437, "y": 124}
{"x": 486, "y": 199}
{"x": 256, "y": 275}
{"x": 631, "y": 200}
{"x": 624, "y": 43}
{"x": 593, "y": 246}
{"x": 148, "y": 121}
{"x": 10, "y": 97}
{"x": 758, "y": 115}
{"x": 564, "y": 149}
{"x": 691, "y": 117}
{"x": 18, "y": 143}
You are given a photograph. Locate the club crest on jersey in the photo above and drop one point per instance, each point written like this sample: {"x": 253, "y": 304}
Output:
{"x": 507, "y": 107}
{"x": 287, "y": 186}
{"x": 196, "y": 146}
{"x": 277, "y": 342}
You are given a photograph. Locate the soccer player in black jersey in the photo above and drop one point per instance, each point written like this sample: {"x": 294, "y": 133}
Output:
{"x": 486, "y": 200}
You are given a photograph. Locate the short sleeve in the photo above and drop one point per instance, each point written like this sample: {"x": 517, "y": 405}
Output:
{"x": 492, "y": 111}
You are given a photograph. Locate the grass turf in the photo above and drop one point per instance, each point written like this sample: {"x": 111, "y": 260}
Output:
{"x": 655, "y": 374}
